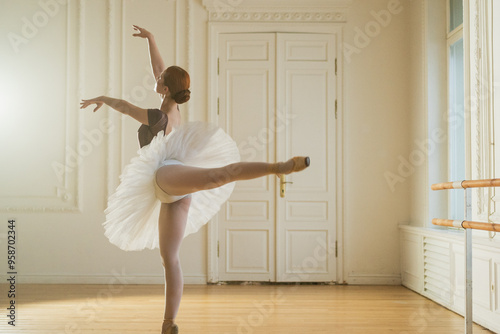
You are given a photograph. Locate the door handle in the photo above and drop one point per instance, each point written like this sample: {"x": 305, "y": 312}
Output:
{"x": 283, "y": 183}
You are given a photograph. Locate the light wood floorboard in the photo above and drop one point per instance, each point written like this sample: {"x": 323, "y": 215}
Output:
{"x": 235, "y": 309}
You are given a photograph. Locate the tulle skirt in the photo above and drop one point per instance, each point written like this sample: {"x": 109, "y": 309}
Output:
{"x": 133, "y": 210}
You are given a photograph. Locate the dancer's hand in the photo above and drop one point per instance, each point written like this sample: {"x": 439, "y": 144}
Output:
{"x": 142, "y": 32}
{"x": 120, "y": 105}
{"x": 157, "y": 64}
{"x": 98, "y": 101}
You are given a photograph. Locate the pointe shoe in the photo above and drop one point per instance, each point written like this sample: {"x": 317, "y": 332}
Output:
{"x": 295, "y": 164}
{"x": 171, "y": 330}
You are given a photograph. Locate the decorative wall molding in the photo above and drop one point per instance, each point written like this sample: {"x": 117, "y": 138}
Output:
{"x": 306, "y": 14}
{"x": 115, "y": 88}
{"x": 475, "y": 107}
{"x": 189, "y": 51}
{"x": 177, "y": 36}
{"x": 81, "y": 83}
{"x": 66, "y": 196}
{"x": 481, "y": 105}
{"x": 277, "y": 10}
{"x": 110, "y": 29}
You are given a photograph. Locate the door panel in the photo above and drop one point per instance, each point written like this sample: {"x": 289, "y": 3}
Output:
{"x": 304, "y": 50}
{"x": 305, "y": 255}
{"x": 247, "y": 98}
{"x": 306, "y": 230}
{"x": 246, "y": 110}
{"x": 277, "y": 100}
{"x": 248, "y": 210}
{"x": 307, "y": 97}
{"x": 251, "y": 50}
{"x": 238, "y": 257}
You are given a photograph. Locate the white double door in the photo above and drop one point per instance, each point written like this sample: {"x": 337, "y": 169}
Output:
{"x": 276, "y": 98}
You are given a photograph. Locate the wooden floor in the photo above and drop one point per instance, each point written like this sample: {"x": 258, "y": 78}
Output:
{"x": 235, "y": 309}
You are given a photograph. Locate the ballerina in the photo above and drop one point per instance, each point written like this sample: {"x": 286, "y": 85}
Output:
{"x": 178, "y": 181}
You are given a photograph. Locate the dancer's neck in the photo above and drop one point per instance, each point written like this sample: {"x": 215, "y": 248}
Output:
{"x": 168, "y": 105}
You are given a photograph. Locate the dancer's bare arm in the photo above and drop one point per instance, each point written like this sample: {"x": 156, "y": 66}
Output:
{"x": 157, "y": 64}
{"x": 122, "y": 106}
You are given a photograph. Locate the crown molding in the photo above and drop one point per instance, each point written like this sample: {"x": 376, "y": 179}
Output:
{"x": 277, "y": 10}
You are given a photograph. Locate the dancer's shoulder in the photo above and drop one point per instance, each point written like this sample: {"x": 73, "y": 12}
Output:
{"x": 155, "y": 115}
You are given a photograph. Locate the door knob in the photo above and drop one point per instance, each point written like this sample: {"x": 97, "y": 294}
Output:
{"x": 283, "y": 183}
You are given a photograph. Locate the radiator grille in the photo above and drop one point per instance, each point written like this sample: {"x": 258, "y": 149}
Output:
{"x": 437, "y": 269}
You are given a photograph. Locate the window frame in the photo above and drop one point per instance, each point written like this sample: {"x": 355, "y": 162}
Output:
{"x": 451, "y": 38}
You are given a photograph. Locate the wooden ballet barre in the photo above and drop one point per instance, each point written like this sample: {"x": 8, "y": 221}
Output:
{"x": 467, "y": 224}
{"x": 466, "y": 184}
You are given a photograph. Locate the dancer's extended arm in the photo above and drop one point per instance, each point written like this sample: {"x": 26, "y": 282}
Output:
{"x": 122, "y": 106}
{"x": 157, "y": 64}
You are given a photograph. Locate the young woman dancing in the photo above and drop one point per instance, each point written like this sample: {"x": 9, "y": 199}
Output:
{"x": 182, "y": 174}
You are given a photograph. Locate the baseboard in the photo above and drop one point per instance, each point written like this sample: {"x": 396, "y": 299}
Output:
{"x": 114, "y": 278}
{"x": 373, "y": 279}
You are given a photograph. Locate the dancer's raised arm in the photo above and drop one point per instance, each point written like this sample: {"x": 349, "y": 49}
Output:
{"x": 122, "y": 106}
{"x": 157, "y": 64}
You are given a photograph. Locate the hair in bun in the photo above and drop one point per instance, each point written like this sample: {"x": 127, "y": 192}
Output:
{"x": 177, "y": 80}
{"x": 182, "y": 96}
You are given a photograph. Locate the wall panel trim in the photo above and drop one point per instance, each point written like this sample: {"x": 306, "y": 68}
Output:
{"x": 67, "y": 197}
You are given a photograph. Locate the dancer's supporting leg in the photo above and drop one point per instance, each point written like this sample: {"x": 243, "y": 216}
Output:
{"x": 180, "y": 180}
{"x": 171, "y": 226}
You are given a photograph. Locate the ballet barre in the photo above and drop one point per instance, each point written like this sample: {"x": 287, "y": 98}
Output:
{"x": 468, "y": 226}
{"x": 467, "y": 184}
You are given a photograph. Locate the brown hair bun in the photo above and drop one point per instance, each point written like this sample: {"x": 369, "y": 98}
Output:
{"x": 177, "y": 80}
{"x": 182, "y": 97}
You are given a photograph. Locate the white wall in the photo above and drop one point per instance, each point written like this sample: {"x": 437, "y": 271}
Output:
{"x": 65, "y": 243}
{"x": 428, "y": 109}
{"x": 377, "y": 135}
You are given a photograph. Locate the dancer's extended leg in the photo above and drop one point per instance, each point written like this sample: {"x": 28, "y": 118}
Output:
{"x": 171, "y": 226}
{"x": 180, "y": 180}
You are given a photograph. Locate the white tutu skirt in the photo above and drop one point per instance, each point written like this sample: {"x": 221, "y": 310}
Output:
{"x": 133, "y": 210}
